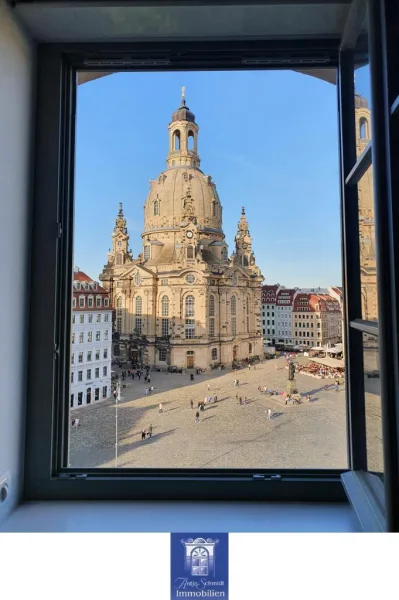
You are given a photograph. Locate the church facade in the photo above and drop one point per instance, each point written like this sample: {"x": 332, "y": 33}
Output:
{"x": 184, "y": 301}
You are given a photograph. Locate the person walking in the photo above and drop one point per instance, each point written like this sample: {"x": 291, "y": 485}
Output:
{"x": 215, "y": 398}
{"x": 209, "y": 387}
{"x": 150, "y": 430}
{"x": 160, "y": 408}
{"x": 197, "y": 416}
{"x": 143, "y": 434}
{"x": 269, "y": 414}
{"x": 148, "y": 379}
{"x": 191, "y": 404}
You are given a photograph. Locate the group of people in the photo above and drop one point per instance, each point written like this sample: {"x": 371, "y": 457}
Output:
{"x": 320, "y": 371}
{"x": 145, "y": 433}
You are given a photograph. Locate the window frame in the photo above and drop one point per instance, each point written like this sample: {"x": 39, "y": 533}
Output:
{"x": 48, "y": 378}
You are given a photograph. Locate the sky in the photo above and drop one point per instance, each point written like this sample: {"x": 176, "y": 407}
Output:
{"x": 269, "y": 139}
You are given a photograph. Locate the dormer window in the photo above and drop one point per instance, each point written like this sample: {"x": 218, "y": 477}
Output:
{"x": 78, "y": 285}
{"x": 94, "y": 285}
{"x": 87, "y": 287}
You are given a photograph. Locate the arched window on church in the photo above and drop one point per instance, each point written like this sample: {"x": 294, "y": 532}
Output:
{"x": 190, "y": 141}
{"x": 213, "y": 209}
{"x": 190, "y": 306}
{"x": 249, "y": 348}
{"x": 224, "y": 253}
{"x": 233, "y": 311}
{"x": 244, "y": 260}
{"x": 364, "y": 129}
{"x": 176, "y": 140}
{"x": 233, "y": 306}
{"x": 139, "y": 306}
{"x": 119, "y": 258}
{"x": 248, "y": 303}
{"x": 165, "y": 316}
{"x": 147, "y": 252}
{"x": 165, "y": 306}
{"x": 119, "y": 315}
{"x": 156, "y": 207}
{"x": 211, "y": 306}
{"x": 190, "y": 252}
{"x": 138, "y": 312}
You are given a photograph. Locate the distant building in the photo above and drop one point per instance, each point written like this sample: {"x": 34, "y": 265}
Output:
{"x": 91, "y": 340}
{"x": 284, "y": 302}
{"x": 316, "y": 320}
{"x": 269, "y": 294}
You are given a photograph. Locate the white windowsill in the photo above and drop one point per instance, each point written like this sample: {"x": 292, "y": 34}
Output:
{"x": 162, "y": 517}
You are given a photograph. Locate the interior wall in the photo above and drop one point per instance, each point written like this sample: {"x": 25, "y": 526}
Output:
{"x": 17, "y": 70}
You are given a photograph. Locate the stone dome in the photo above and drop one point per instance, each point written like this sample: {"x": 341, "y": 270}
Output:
{"x": 182, "y": 194}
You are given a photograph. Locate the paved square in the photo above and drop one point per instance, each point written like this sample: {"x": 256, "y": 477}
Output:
{"x": 310, "y": 435}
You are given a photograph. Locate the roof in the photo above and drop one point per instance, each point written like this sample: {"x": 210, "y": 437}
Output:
{"x": 81, "y": 276}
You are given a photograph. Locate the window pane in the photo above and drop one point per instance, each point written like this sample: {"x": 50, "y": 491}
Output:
{"x": 372, "y": 386}
{"x": 183, "y": 269}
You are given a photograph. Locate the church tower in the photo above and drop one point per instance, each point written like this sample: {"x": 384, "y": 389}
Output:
{"x": 120, "y": 254}
{"x": 243, "y": 254}
{"x": 368, "y": 265}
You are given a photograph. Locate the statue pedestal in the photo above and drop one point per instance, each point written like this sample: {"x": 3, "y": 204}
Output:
{"x": 291, "y": 387}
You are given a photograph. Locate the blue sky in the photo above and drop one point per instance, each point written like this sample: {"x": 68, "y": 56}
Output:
{"x": 269, "y": 139}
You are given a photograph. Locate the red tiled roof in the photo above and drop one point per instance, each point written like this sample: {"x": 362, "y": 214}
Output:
{"x": 81, "y": 276}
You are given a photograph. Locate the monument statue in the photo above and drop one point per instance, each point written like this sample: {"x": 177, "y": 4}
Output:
{"x": 291, "y": 371}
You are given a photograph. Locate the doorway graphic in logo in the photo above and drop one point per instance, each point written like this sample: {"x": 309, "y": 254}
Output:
{"x": 199, "y": 565}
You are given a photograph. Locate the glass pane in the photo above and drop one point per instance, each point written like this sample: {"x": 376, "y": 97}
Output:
{"x": 169, "y": 276}
{"x": 372, "y": 386}
{"x": 368, "y": 265}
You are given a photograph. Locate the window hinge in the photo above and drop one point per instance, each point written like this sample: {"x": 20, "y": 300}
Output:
{"x": 56, "y": 350}
{"x": 72, "y": 475}
{"x": 263, "y": 477}
{"x": 59, "y": 230}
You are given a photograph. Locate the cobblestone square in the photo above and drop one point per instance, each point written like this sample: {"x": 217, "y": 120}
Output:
{"x": 309, "y": 435}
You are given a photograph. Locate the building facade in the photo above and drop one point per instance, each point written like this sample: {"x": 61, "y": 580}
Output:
{"x": 269, "y": 294}
{"x": 184, "y": 301}
{"x": 368, "y": 267}
{"x": 316, "y": 320}
{"x": 91, "y": 340}
{"x": 284, "y": 303}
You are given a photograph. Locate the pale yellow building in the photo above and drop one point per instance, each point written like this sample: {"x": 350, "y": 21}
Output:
{"x": 368, "y": 268}
{"x": 184, "y": 301}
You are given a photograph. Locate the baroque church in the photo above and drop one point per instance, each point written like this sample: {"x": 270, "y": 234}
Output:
{"x": 184, "y": 301}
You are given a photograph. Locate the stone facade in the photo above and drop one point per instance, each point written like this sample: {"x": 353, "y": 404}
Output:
{"x": 366, "y": 216}
{"x": 184, "y": 301}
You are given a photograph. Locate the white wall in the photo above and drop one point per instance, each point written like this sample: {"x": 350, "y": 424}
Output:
{"x": 16, "y": 103}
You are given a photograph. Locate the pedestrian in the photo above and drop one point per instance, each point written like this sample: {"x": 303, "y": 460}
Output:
{"x": 249, "y": 367}
{"x": 145, "y": 378}
{"x": 115, "y": 394}
{"x": 143, "y": 434}
{"x": 160, "y": 407}
{"x": 234, "y": 382}
{"x": 240, "y": 401}
{"x": 197, "y": 416}
{"x": 150, "y": 431}
{"x": 237, "y": 397}
{"x": 215, "y": 398}
{"x": 192, "y": 404}
{"x": 209, "y": 387}
{"x": 238, "y": 383}
{"x": 148, "y": 379}
{"x": 146, "y": 392}
{"x": 269, "y": 414}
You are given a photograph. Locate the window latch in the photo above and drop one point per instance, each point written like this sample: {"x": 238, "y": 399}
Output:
{"x": 73, "y": 475}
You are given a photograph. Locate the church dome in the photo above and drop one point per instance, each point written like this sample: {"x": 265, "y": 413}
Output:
{"x": 182, "y": 194}
{"x": 183, "y": 113}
